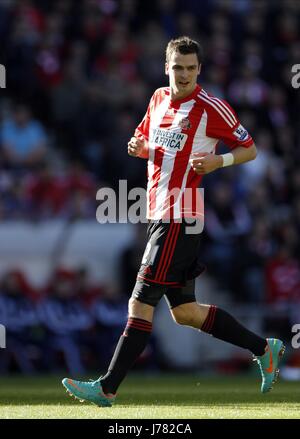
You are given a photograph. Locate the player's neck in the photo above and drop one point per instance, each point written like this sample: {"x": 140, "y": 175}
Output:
{"x": 175, "y": 96}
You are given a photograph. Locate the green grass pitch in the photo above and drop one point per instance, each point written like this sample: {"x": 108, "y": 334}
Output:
{"x": 154, "y": 397}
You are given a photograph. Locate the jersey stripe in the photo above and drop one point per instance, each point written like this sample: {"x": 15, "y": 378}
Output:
{"x": 180, "y": 205}
{"x": 221, "y": 105}
{"x": 161, "y": 274}
{"x": 171, "y": 252}
{"x": 155, "y": 157}
{"x": 169, "y": 172}
{"x": 180, "y": 162}
{"x": 167, "y": 168}
{"x": 222, "y": 114}
{"x": 193, "y": 180}
{"x": 165, "y": 249}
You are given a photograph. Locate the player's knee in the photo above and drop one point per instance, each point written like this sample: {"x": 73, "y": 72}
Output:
{"x": 133, "y": 305}
{"x": 181, "y": 316}
{"x": 140, "y": 310}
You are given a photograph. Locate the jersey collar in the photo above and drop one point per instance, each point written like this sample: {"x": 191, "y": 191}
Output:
{"x": 187, "y": 98}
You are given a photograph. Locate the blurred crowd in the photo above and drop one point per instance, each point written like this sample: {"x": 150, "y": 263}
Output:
{"x": 69, "y": 324}
{"x": 79, "y": 76}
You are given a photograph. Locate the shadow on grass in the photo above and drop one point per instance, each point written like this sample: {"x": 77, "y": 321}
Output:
{"x": 157, "y": 391}
{"x": 184, "y": 400}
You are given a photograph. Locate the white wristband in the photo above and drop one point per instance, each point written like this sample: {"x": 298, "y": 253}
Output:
{"x": 228, "y": 159}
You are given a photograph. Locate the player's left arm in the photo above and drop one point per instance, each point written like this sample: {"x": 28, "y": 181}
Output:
{"x": 241, "y": 154}
{"x": 204, "y": 163}
{"x": 223, "y": 124}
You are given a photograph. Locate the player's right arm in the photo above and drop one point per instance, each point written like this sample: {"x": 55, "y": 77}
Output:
{"x": 137, "y": 147}
{"x": 138, "y": 144}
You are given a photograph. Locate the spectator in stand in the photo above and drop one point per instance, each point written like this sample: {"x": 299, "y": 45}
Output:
{"x": 65, "y": 318}
{"x": 133, "y": 173}
{"x": 268, "y": 164}
{"x": 66, "y": 104}
{"x": 23, "y": 140}
{"x": 93, "y": 126}
{"x": 187, "y": 24}
{"x": 13, "y": 199}
{"x": 282, "y": 274}
{"x": 68, "y": 194}
{"x": 81, "y": 191}
{"x": 248, "y": 89}
{"x": 151, "y": 41}
{"x": 87, "y": 290}
{"x": 18, "y": 315}
{"x": 110, "y": 313}
{"x": 46, "y": 193}
{"x": 227, "y": 222}
{"x": 259, "y": 247}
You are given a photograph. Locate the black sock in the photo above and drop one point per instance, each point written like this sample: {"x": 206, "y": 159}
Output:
{"x": 222, "y": 325}
{"x": 131, "y": 344}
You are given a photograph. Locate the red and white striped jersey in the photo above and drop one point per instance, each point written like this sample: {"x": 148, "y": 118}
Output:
{"x": 174, "y": 130}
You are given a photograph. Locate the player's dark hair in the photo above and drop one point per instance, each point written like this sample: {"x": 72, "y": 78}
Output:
{"x": 184, "y": 45}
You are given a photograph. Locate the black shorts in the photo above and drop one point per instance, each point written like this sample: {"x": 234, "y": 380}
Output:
{"x": 169, "y": 265}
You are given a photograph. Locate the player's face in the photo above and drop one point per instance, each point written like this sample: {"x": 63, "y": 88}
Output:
{"x": 183, "y": 71}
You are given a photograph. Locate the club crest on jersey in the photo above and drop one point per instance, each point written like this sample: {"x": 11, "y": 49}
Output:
{"x": 185, "y": 124}
{"x": 241, "y": 133}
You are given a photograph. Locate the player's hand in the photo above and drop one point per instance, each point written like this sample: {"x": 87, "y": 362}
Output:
{"x": 135, "y": 146}
{"x": 204, "y": 163}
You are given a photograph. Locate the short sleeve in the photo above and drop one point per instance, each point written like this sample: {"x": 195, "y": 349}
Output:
{"x": 142, "y": 130}
{"x": 223, "y": 124}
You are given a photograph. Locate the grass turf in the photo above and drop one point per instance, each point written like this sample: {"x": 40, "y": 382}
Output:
{"x": 154, "y": 397}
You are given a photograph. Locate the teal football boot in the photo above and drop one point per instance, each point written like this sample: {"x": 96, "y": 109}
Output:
{"x": 89, "y": 391}
{"x": 268, "y": 363}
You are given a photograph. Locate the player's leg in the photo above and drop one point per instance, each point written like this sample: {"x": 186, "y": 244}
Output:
{"x": 220, "y": 324}
{"x": 131, "y": 344}
{"x": 212, "y": 319}
{"x": 146, "y": 294}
